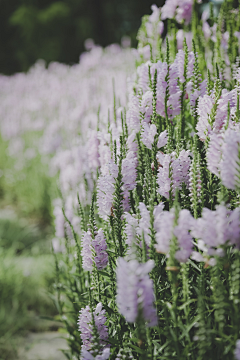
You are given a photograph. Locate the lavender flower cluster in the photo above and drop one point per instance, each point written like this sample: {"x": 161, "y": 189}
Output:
{"x": 166, "y": 198}
{"x": 154, "y": 268}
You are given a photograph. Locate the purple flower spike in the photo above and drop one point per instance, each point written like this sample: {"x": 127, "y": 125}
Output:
{"x": 173, "y": 103}
{"x": 135, "y": 291}
{"x": 217, "y": 227}
{"x": 100, "y": 246}
{"x": 130, "y": 228}
{"x": 133, "y": 119}
{"x": 129, "y": 171}
{"x": 166, "y": 231}
{"x": 172, "y": 172}
{"x": 184, "y": 11}
{"x": 86, "y": 327}
{"x": 181, "y": 231}
{"x": 162, "y": 139}
{"x": 229, "y": 166}
{"x": 214, "y": 153}
{"x": 105, "y": 190}
{"x": 87, "y": 251}
{"x": 148, "y": 134}
{"x": 169, "y": 9}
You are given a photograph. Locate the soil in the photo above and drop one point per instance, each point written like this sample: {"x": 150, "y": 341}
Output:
{"x": 43, "y": 346}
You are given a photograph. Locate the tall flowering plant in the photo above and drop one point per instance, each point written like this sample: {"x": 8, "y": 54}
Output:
{"x": 154, "y": 272}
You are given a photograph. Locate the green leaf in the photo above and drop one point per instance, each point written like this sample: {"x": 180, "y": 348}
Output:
{"x": 137, "y": 349}
{"x": 104, "y": 273}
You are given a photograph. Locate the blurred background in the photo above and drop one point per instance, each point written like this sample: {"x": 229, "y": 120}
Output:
{"x": 56, "y": 30}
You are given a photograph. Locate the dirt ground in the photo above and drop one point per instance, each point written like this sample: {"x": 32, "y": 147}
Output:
{"x": 43, "y": 346}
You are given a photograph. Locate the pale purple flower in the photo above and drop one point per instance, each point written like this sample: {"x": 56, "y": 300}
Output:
{"x": 169, "y": 9}
{"x": 148, "y": 134}
{"x": 184, "y": 11}
{"x": 195, "y": 93}
{"x": 152, "y": 28}
{"x": 166, "y": 230}
{"x": 191, "y": 59}
{"x": 172, "y": 172}
{"x": 58, "y": 246}
{"x": 135, "y": 290}
{"x": 132, "y": 143}
{"x": 164, "y": 176}
{"x": 174, "y": 106}
{"x": 157, "y": 213}
{"x": 100, "y": 246}
{"x": 180, "y": 59}
{"x": 204, "y": 108}
{"x": 130, "y": 228}
{"x": 224, "y": 40}
{"x": 237, "y": 350}
{"x": 217, "y": 227}
{"x": 129, "y": 172}
{"x": 237, "y": 34}
{"x": 230, "y": 163}
{"x": 154, "y": 23}
{"x": 129, "y": 175}
{"x": 173, "y": 101}
{"x": 234, "y": 227}
{"x": 86, "y": 327}
{"x": 180, "y": 38}
{"x": 146, "y": 106}
{"x": 162, "y": 139}
{"x": 206, "y": 30}
{"x": 104, "y": 151}
{"x": 133, "y": 114}
{"x": 92, "y": 150}
{"x": 87, "y": 261}
{"x": 214, "y": 153}
{"x": 154, "y": 17}
{"x": 181, "y": 231}
{"x": 184, "y": 164}
{"x": 205, "y": 16}
{"x": 105, "y": 190}
{"x": 222, "y": 110}
{"x": 145, "y": 52}
{"x": 162, "y": 69}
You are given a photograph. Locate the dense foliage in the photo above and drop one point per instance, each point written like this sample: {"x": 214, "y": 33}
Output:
{"x": 156, "y": 273}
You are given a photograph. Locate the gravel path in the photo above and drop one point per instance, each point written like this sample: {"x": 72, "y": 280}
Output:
{"x": 43, "y": 346}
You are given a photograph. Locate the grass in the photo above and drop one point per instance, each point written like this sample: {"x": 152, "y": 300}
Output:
{"x": 26, "y": 281}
